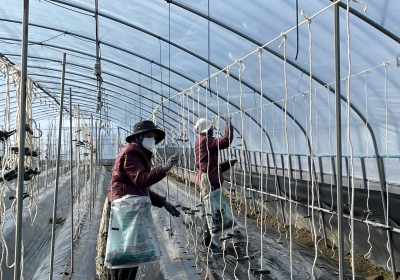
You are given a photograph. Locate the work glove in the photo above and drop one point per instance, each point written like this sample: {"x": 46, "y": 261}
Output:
{"x": 170, "y": 163}
{"x": 171, "y": 209}
{"x": 232, "y": 162}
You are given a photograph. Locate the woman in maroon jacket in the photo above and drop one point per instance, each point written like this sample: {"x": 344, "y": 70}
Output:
{"x": 132, "y": 174}
{"x": 206, "y": 149}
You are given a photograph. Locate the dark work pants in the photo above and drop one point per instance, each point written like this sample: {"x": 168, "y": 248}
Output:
{"x": 125, "y": 273}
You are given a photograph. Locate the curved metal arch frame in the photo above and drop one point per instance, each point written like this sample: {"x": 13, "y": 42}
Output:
{"x": 216, "y": 66}
{"x": 143, "y": 96}
{"x": 123, "y": 89}
{"x": 163, "y": 66}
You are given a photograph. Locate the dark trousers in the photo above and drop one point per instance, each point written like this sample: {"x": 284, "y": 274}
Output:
{"x": 125, "y": 273}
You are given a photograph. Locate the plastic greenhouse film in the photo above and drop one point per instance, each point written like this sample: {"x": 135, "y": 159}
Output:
{"x": 132, "y": 239}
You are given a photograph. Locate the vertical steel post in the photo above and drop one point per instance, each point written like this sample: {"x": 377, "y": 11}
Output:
{"x": 96, "y": 163}
{"x": 364, "y": 174}
{"x": 47, "y": 158}
{"x": 71, "y": 178}
{"x": 338, "y": 128}
{"x": 333, "y": 180}
{"x": 21, "y": 140}
{"x": 78, "y": 151}
{"x": 91, "y": 168}
{"x": 290, "y": 167}
{"x": 38, "y": 181}
{"x": 300, "y": 170}
{"x": 53, "y": 230}
{"x": 165, "y": 161}
{"x": 321, "y": 170}
{"x": 267, "y": 162}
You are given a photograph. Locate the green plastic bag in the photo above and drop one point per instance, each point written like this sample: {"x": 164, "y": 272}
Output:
{"x": 132, "y": 237}
{"x": 221, "y": 215}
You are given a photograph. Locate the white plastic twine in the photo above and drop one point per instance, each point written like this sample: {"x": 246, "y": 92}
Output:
{"x": 241, "y": 69}
{"x": 208, "y": 170}
{"x": 296, "y": 168}
{"x": 387, "y": 166}
{"x": 368, "y": 254}
{"x": 312, "y": 148}
{"x": 232, "y": 181}
{"x": 351, "y": 237}
{"x": 261, "y": 164}
{"x": 256, "y": 50}
{"x": 219, "y": 160}
{"x": 288, "y": 159}
{"x": 330, "y": 169}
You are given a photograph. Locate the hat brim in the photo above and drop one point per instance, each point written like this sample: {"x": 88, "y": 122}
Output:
{"x": 160, "y": 135}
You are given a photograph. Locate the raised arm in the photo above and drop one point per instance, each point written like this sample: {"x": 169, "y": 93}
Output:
{"x": 222, "y": 143}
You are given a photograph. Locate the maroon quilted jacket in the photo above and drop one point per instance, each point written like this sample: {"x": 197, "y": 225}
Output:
{"x": 202, "y": 156}
{"x": 132, "y": 174}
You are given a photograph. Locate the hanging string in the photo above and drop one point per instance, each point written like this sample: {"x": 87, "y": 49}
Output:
{"x": 387, "y": 168}
{"x": 288, "y": 159}
{"x": 350, "y": 143}
{"x": 331, "y": 168}
{"x": 368, "y": 254}
{"x": 261, "y": 173}
{"x": 268, "y": 43}
{"x": 311, "y": 171}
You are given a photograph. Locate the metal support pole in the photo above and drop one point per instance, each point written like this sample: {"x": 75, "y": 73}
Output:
{"x": 47, "y": 159}
{"x": 267, "y": 158}
{"x": 39, "y": 153}
{"x": 333, "y": 171}
{"x": 78, "y": 148}
{"x": 71, "y": 180}
{"x": 321, "y": 170}
{"x": 21, "y": 140}
{"x": 95, "y": 164}
{"x": 165, "y": 161}
{"x": 290, "y": 170}
{"x": 338, "y": 128}
{"x": 364, "y": 174}
{"x": 53, "y": 230}
{"x": 91, "y": 168}
{"x": 300, "y": 170}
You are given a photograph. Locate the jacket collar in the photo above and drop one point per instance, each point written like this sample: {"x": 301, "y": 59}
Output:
{"x": 147, "y": 152}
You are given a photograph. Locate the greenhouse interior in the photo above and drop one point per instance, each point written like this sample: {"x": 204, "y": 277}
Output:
{"x": 199, "y": 139}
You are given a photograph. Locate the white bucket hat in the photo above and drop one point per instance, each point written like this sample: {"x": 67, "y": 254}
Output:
{"x": 202, "y": 126}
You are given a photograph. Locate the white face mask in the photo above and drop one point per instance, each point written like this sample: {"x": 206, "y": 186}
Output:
{"x": 149, "y": 143}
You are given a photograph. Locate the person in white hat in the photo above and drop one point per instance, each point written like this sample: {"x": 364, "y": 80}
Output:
{"x": 206, "y": 149}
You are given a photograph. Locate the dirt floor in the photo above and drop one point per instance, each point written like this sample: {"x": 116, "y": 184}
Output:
{"x": 305, "y": 237}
